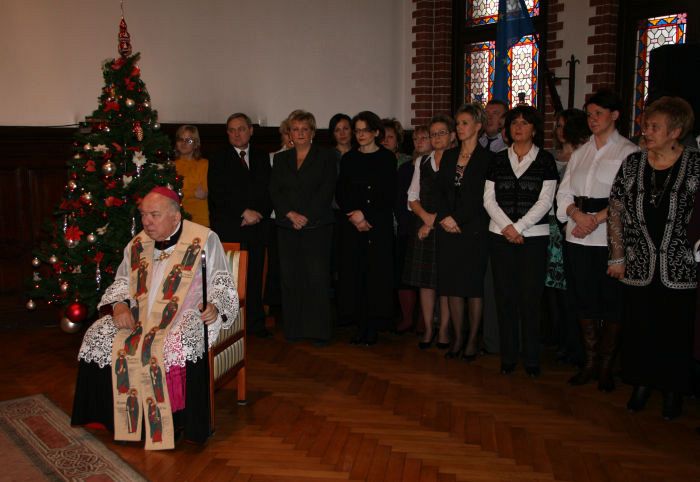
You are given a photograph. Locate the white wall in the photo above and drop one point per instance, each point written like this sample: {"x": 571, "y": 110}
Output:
{"x": 575, "y": 36}
{"x": 202, "y": 60}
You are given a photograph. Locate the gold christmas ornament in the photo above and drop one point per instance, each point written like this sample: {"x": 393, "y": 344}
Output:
{"x": 130, "y": 102}
{"x": 72, "y": 185}
{"x": 36, "y": 262}
{"x": 91, "y": 238}
{"x": 68, "y": 326}
{"x": 31, "y": 304}
{"x": 87, "y": 197}
{"x": 64, "y": 286}
{"x": 53, "y": 259}
{"x": 109, "y": 168}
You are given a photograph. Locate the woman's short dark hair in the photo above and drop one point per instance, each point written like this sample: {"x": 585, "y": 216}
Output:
{"x": 374, "y": 123}
{"x": 336, "y": 119}
{"x": 443, "y": 119}
{"x": 677, "y": 110}
{"x": 392, "y": 123}
{"x": 606, "y": 99}
{"x": 531, "y": 116}
{"x": 576, "y": 130}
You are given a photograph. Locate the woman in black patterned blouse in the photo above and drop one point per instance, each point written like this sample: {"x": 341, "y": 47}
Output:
{"x": 651, "y": 203}
{"x": 518, "y": 195}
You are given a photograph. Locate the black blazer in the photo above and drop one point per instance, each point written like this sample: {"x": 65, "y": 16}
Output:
{"x": 465, "y": 203}
{"x": 308, "y": 191}
{"x": 233, "y": 188}
{"x": 367, "y": 182}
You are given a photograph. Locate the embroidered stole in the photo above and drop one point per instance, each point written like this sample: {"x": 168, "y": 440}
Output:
{"x": 138, "y": 376}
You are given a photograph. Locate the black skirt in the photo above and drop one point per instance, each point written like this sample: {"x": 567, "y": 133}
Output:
{"x": 658, "y": 337}
{"x": 461, "y": 263}
{"x": 93, "y": 402}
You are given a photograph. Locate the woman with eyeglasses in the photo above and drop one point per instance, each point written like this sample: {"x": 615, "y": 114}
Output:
{"x": 366, "y": 193}
{"x": 420, "y": 268}
{"x": 404, "y": 227}
{"x": 462, "y": 242}
{"x": 518, "y": 194}
{"x": 193, "y": 169}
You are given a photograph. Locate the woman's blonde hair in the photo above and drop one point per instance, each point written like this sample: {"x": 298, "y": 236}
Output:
{"x": 300, "y": 115}
{"x": 194, "y": 133}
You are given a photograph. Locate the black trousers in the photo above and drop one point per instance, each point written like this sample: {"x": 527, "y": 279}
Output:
{"x": 519, "y": 272}
{"x": 305, "y": 275}
{"x": 254, "y": 303}
{"x": 596, "y": 295}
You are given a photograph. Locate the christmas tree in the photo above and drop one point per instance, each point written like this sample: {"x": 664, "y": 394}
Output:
{"x": 119, "y": 156}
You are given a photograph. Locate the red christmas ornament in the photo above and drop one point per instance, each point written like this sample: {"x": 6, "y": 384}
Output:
{"x": 124, "y": 40}
{"x": 76, "y": 312}
{"x": 90, "y": 166}
{"x": 138, "y": 131}
{"x": 113, "y": 201}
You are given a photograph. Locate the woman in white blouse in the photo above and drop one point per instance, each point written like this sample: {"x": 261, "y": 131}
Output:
{"x": 582, "y": 203}
{"x": 420, "y": 268}
{"x": 519, "y": 191}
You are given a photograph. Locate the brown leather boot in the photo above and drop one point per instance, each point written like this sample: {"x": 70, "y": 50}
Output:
{"x": 589, "y": 330}
{"x": 609, "y": 341}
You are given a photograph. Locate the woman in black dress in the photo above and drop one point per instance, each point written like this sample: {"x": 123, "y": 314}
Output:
{"x": 301, "y": 187}
{"x": 420, "y": 269}
{"x": 462, "y": 243}
{"x": 365, "y": 193}
{"x": 518, "y": 195}
{"x": 651, "y": 203}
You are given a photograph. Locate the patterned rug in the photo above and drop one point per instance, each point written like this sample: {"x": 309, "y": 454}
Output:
{"x": 38, "y": 443}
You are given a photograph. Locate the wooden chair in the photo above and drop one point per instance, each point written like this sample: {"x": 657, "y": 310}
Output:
{"x": 227, "y": 357}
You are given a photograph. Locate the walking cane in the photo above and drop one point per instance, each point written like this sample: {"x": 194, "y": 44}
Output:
{"x": 206, "y": 344}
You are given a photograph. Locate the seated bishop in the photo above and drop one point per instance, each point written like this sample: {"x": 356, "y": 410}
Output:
{"x": 143, "y": 369}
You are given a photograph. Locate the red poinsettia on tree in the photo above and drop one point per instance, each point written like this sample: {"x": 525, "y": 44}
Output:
{"x": 119, "y": 156}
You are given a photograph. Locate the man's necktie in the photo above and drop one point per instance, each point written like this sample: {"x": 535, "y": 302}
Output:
{"x": 241, "y": 154}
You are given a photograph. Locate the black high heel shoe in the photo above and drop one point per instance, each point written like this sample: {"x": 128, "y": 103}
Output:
{"x": 639, "y": 398}
{"x": 455, "y": 354}
{"x": 424, "y": 345}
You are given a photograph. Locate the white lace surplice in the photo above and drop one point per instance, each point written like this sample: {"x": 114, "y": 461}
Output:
{"x": 185, "y": 341}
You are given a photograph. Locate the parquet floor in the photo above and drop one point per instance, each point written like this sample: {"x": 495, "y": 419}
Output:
{"x": 390, "y": 413}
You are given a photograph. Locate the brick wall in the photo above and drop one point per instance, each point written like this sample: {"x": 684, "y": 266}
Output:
{"x": 604, "y": 41}
{"x": 554, "y": 62}
{"x": 432, "y": 60}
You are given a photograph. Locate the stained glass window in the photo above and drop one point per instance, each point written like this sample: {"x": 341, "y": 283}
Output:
{"x": 523, "y": 61}
{"x": 483, "y": 12}
{"x": 653, "y": 32}
{"x": 479, "y": 72}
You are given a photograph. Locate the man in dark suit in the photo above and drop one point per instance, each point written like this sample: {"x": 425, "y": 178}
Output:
{"x": 239, "y": 203}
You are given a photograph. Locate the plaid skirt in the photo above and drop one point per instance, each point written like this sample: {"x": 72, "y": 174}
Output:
{"x": 420, "y": 266}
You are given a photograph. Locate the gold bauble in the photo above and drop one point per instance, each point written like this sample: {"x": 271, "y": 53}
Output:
{"x": 68, "y": 326}
{"x": 36, "y": 262}
{"x": 31, "y": 304}
{"x": 109, "y": 168}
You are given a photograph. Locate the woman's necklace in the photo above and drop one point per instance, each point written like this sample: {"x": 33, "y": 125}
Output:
{"x": 657, "y": 193}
